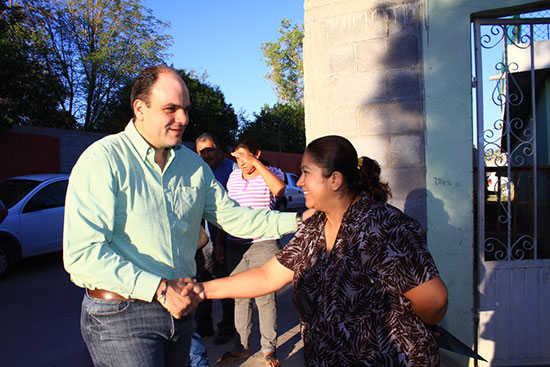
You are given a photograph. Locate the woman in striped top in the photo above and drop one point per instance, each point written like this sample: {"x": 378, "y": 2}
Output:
{"x": 254, "y": 184}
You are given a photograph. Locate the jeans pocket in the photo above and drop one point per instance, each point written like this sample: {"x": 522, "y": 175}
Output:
{"x": 105, "y": 307}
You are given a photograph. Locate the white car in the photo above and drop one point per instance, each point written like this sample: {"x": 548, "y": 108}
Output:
{"x": 498, "y": 187}
{"x": 293, "y": 198}
{"x": 34, "y": 225}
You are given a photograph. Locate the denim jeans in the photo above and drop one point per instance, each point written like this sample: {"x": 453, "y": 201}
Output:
{"x": 243, "y": 257}
{"x": 134, "y": 333}
{"x": 198, "y": 356}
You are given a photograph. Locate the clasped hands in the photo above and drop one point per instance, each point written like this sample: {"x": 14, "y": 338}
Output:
{"x": 180, "y": 296}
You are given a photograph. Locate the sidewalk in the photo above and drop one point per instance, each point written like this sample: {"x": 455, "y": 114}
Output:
{"x": 289, "y": 344}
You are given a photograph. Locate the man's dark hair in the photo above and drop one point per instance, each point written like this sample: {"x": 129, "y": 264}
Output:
{"x": 208, "y": 136}
{"x": 145, "y": 81}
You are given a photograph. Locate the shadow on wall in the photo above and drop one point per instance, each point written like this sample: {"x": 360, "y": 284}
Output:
{"x": 390, "y": 116}
{"x": 438, "y": 207}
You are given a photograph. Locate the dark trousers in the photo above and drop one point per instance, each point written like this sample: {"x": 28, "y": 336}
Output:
{"x": 227, "y": 324}
{"x": 203, "y": 313}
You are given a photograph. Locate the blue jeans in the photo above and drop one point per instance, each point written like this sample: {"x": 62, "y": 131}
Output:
{"x": 198, "y": 356}
{"x": 134, "y": 333}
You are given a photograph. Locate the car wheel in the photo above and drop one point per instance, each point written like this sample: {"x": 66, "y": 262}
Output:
{"x": 6, "y": 259}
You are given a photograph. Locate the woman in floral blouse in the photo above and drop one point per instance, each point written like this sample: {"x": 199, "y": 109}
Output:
{"x": 365, "y": 284}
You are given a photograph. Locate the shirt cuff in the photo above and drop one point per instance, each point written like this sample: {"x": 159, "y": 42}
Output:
{"x": 288, "y": 223}
{"x": 146, "y": 287}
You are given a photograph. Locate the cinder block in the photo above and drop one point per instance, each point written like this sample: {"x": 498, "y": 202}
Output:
{"x": 358, "y": 90}
{"x": 374, "y": 147}
{"x": 391, "y": 117}
{"x": 406, "y": 116}
{"x": 354, "y": 27}
{"x": 371, "y": 55}
{"x": 405, "y": 19}
{"x": 373, "y": 120}
{"x": 404, "y": 180}
{"x": 407, "y": 150}
{"x": 341, "y": 60}
{"x": 405, "y": 85}
{"x": 343, "y": 121}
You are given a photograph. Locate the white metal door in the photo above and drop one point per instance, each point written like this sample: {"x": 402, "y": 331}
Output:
{"x": 513, "y": 181}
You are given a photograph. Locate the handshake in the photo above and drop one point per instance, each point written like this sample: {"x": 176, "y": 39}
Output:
{"x": 180, "y": 296}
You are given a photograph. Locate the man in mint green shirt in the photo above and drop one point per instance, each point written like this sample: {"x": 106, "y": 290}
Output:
{"x": 133, "y": 210}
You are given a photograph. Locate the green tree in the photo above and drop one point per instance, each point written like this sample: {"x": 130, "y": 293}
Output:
{"x": 93, "y": 47}
{"x": 208, "y": 112}
{"x": 28, "y": 93}
{"x": 284, "y": 58}
{"x": 278, "y": 128}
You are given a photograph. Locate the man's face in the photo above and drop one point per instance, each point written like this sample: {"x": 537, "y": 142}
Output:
{"x": 209, "y": 153}
{"x": 162, "y": 122}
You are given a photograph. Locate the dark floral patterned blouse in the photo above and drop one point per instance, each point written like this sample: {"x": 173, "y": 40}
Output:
{"x": 362, "y": 317}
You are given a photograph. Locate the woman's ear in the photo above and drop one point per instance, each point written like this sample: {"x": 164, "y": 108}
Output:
{"x": 336, "y": 180}
{"x": 258, "y": 154}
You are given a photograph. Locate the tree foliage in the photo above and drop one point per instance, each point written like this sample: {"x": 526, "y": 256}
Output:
{"x": 278, "y": 128}
{"x": 285, "y": 62}
{"x": 93, "y": 47}
{"x": 281, "y": 127}
{"x": 28, "y": 92}
{"x": 209, "y": 112}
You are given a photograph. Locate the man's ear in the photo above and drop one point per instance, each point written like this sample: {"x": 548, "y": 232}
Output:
{"x": 336, "y": 180}
{"x": 138, "y": 107}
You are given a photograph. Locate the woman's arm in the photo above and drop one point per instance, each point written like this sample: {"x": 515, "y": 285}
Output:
{"x": 251, "y": 283}
{"x": 429, "y": 300}
{"x": 275, "y": 184}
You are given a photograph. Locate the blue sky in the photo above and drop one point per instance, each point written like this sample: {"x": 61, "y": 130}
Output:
{"x": 223, "y": 38}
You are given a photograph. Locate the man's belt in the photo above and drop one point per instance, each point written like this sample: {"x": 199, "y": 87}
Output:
{"x": 103, "y": 294}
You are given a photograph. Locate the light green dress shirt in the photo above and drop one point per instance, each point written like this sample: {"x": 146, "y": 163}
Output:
{"x": 128, "y": 224}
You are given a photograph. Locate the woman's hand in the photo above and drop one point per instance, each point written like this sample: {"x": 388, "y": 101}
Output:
{"x": 275, "y": 184}
{"x": 248, "y": 158}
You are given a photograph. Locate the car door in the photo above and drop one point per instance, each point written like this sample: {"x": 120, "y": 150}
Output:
{"x": 294, "y": 193}
{"x": 42, "y": 220}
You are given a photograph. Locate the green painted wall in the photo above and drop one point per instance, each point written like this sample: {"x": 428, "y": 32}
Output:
{"x": 449, "y": 175}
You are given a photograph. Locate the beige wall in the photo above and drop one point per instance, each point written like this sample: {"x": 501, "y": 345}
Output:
{"x": 363, "y": 80}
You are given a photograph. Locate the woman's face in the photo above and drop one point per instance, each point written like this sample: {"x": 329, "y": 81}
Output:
{"x": 245, "y": 166}
{"x": 314, "y": 184}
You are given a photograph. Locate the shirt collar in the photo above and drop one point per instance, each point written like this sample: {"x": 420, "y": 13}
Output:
{"x": 137, "y": 140}
{"x": 141, "y": 145}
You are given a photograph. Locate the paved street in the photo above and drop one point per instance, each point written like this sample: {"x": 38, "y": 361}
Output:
{"x": 39, "y": 318}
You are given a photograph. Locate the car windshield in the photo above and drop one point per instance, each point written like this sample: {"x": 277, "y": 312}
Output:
{"x": 13, "y": 190}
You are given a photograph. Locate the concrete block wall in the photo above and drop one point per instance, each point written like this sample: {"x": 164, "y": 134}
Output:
{"x": 364, "y": 81}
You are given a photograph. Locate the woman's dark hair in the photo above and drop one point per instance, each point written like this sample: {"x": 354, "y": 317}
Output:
{"x": 248, "y": 143}
{"x": 335, "y": 153}
{"x": 252, "y": 145}
{"x": 145, "y": 81}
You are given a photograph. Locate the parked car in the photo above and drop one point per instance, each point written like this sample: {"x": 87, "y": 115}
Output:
{"x": 34, "y": 224}
{"x": 293, "y": 198}
{"x": 497, "y": 187}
